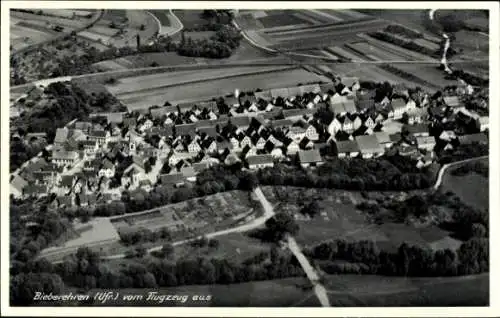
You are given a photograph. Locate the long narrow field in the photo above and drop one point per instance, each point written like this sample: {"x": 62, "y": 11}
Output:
{"x": 148, "y": 82}
{"x": 321, "y": 36}
{"x": 218, "y": 87}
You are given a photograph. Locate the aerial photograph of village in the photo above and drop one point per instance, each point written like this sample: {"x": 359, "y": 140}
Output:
{"x": 249, "y": 158}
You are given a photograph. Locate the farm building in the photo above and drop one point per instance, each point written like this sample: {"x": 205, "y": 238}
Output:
{"x": 384, "y": 139}
{"x": 473, "y": 138}
{"x": 260, "y": 161}
{"x": 64, "y": 158}
{"x": 310, "y": 158}
{"x": 347, "y": 148}
{"x": 426, "y": 143}
{"x": 369, "y": 146}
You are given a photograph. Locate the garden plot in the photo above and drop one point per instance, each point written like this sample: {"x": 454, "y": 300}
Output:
{"x": 68, "y": 14}
{"x": 24, "y": 36}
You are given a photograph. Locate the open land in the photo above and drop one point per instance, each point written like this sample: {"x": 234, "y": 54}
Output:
{"x": 340, "y": 219}
{"x": 471, "y": 188}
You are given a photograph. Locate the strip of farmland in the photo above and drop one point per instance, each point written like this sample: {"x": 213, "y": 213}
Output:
{"x": 321, "y": 37}
{"x": 411, "y": 55}
{"x": 368, "y": 49}
{"x": 133, "y": 84}
{"x": 205, "y": 90}
{"x": 339, "y": 51}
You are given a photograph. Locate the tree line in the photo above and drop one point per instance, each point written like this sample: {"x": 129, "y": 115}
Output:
{"x": 85, "y": 271}
{"x": 365, "y": 257}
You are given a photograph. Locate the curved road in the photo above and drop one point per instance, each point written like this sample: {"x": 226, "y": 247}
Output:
{"x": 439, "y": 179}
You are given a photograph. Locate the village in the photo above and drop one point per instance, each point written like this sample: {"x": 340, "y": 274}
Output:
{"x": 95, "y": 161}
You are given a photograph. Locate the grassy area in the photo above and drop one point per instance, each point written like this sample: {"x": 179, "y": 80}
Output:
{"x": 340, "y": 219}
{"x": 162, "y": 16}
{"x": 367, "y": 290}
{"x": 473, "y": 189}
{"x": 234, "y": 247}
{"x": 283, "y": 19}
{"x": 190, "y": 18}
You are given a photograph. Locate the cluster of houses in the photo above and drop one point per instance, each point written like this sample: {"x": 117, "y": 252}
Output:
{"x": 94, "y": 161}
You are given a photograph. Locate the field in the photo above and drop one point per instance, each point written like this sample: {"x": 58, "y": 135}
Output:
{"x": 428, "y": 73}
{"x": 120, "y": 28}
{"x": 372, "y": 73}
{"x": 340, "y": 219}
{"x": 215, "y": 83}
{"x": 191, "y": 19}
{"x": 162, "y": 16}
{"x": 320, "y": 35}
{"x": 380, "y": 291}
{"x": 145, "y": 60}
{"x": 473, "y": 189}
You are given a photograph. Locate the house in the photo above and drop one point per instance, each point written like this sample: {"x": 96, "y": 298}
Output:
{"x": 370, "y": 123}
{"x": 64, "y": 201}
{"x": 89, "y": 147}
{"x": 296, "y": 133}
{"x": 424, "y": 160}
{"x": 350, "y": 106}
{"x": 338, "y": 108}
{"x": 311, "y": 133}
{"x": 185, "y": 130}
{"x": 452, "y": 101}
{"x": 398, "y": 108}
{"x": 415, "y": 115}
{"x": 348, "y": 148}
{"x": 356, "y": 122}
{"x": 246, "y": 141}
{"x": 34, "y": 190}
{"x": 447, "y": 135}
{"x": 334, "y": 126}
{"x": 384, "y": 139}
{"x": 483, "y": 123}
{"x": 65, "y": 158}
{"x": 261, "y": 142}
{"x": 194, "y": 146}
{"x": 260, "y": 161}
{"x": 174, "y": 179}
{"x": 277, "y": 153}
{"x": 188, "y": 173}
{"x": 292, "y": 147}
{"x": 107, "y": 169}
{"x": 473, "y": 138}
{"x": 145, "y": 185}
{"x": 306, "y": 144}
{"x": 100, "y": 136}
{"x": 418, "y": 130}
{"x": 17, "y": 185}
{"x": 131, "y": 176}
{"x": 62, "y": 135}
{"x": 369, "y": 146}
{"x": 310, "y": 158}
{"x": 347, "y": 124}
{"x": 426, "y": 143}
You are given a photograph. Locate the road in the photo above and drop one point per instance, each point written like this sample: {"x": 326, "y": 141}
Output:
{"x": 319, "y": 289}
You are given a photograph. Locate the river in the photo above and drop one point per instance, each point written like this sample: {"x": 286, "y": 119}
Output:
{"x": 444, "y": 59}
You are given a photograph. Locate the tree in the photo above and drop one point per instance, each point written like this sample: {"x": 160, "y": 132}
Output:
{"x": 312, "y": 209}
{"x": 167, "y": 249}
{"x": 280, "y": 225}
{"x": 478, "y": 230}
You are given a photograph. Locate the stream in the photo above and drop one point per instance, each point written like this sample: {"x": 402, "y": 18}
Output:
{"x": 444, "y": 59}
